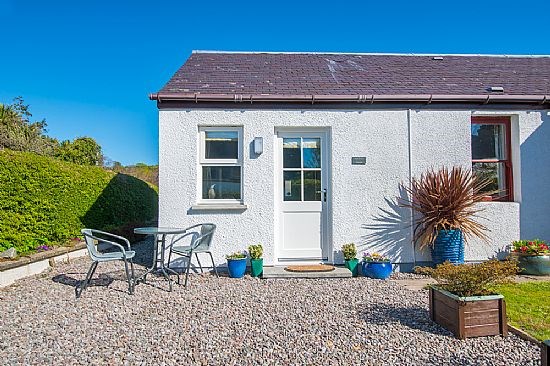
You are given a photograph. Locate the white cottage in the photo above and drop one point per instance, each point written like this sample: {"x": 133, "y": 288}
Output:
{"x": 304, "y": 152}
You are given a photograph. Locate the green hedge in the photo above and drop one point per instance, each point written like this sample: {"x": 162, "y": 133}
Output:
{"x": 45, "y": 200}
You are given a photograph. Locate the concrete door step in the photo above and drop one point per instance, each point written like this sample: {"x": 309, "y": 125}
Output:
{"x": 280, "y": 272}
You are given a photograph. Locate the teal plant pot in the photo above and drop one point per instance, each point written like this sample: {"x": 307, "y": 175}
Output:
{"x": 256, "y": 267}
{"x": 537, "y": 265}
{"x": 353, "y": 266}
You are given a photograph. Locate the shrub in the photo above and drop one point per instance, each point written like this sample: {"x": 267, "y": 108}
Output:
{"x": 445, "y": 200}
{"x": 44, "y": 200}
{"x": 350, "y": 251}
{"x": 374, "y": 257}
{"x": 255, "y": 251}
{"x": 235, "y": 255}
{"x": 471, "y": 279}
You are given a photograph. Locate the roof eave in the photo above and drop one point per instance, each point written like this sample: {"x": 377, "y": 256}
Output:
{"x": 360, "y": 98}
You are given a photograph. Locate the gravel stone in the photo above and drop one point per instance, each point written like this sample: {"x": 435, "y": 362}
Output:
{"x": 9, "y": 253}
{"x": 229, "y": 321}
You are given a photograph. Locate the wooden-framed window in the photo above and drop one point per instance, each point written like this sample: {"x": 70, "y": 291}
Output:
{"x": 492, "y": 155}
{"x": 220, "y": 163}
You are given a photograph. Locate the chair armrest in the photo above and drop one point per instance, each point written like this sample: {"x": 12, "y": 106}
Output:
{"x": 113, "y": 244}
{"x": 192, "y": 227}
{"x": 181, "y": 237}
{"x": 126, "y": 241}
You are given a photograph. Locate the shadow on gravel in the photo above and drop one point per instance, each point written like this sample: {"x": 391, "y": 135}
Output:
{"x": 144, "y": 252}
{"x": 413, "y": 317}
{"x": 144, "y": 257}
{"x": 101, "y": 280}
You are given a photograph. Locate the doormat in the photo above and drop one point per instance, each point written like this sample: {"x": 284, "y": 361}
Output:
{"x": 310, "y": 268}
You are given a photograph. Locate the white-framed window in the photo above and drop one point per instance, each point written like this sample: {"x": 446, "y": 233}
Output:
{"x": 220, "y": 164}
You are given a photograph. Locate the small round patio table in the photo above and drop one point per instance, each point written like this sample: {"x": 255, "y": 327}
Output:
{"x": 158, "y": 265}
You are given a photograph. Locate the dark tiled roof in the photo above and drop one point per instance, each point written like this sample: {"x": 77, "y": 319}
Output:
{"x": 358, "y": 74}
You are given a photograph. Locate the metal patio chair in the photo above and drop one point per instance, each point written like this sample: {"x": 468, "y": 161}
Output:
{"x": 92, "y": 237}
{"x": 201, "y": 238}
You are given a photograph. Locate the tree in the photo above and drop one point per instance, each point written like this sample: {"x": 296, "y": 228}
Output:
{"x": 17, "y": 132}
{"x": 83, "y": 150}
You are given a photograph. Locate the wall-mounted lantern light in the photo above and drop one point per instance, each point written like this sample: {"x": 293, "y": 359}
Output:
{"x": 258, "y": 145}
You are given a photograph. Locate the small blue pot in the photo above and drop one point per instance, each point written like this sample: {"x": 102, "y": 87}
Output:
{"x": 236, "y": 267}
{"x": 448, "y": 246}
{"x": 378, "y": 270}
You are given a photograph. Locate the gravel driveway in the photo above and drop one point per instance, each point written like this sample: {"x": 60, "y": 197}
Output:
{"x": 232, "y": 322}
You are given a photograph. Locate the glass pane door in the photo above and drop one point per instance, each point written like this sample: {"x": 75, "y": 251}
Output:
{"x": 302, "y": 169}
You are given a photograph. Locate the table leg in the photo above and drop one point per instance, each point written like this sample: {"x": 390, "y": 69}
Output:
{"x": 159, "y": 267}
{"x": 163, "y": 268}
{"x": 154, "y": 264}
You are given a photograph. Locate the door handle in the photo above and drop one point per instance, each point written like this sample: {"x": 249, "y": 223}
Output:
{"x": 324, "y": 192}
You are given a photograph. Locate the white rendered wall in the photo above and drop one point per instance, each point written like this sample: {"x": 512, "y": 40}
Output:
{"x": 396, "y": 143}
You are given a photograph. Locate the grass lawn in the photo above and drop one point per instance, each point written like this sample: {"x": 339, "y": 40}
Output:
{"x": 528, "y": 307}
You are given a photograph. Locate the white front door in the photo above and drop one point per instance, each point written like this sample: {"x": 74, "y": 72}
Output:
{"x": 302, "y": 196}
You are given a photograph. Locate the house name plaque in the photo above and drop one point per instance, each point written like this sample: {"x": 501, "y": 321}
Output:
{"x": 358, "y": 160}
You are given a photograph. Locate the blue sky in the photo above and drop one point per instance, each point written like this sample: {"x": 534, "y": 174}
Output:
{"x": 88, "y": 66}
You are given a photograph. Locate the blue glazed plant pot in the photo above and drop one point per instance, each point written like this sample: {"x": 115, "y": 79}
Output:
{"x": 378, "y": 270}
{"x": 448, "y": 246}
{"x": 236, "y": 267}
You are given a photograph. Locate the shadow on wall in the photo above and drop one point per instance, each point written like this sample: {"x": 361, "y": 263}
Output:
{"x": 535, "y": 173}
{"x": 389, "y": 232}
{"x": 125, "y": 203}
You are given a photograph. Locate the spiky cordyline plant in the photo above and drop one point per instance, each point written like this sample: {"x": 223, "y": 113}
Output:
{"x": 443, "y": 200}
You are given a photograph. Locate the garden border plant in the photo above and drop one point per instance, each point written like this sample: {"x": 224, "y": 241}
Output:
{"x": 464, "y": 302}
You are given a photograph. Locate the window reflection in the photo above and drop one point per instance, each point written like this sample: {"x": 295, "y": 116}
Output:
{"x": 221, "y": 144}
{"x": 312, "y": 152}
{"x": 312, "y": 185}
{"x": 291, "y": 153}
{"x": 221, "y": 182}
{"x": 292, "y": 186}
{"x": 495, "y": 173}
{"x": 488, "y": 141}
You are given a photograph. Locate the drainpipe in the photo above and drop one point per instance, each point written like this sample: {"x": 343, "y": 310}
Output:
{"x": 410, "y": 177}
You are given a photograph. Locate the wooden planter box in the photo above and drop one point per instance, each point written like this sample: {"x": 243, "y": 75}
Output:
{"x": 466, "y": 317}
{"x": 545, "y": 353}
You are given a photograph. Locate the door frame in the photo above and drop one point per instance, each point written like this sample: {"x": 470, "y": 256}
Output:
{"x": 326, "y": 224}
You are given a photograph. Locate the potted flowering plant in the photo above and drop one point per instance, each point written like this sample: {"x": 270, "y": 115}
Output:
{"x": 236, "y": 264}
{"x": 533, "y": 256}
{"x": 256, "y": 260}
{"x": 376, "y": 265}
{"x": 350, "y": 258}
{"x": 446, "y": 202}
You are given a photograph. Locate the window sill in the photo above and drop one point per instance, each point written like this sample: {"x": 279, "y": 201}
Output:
{"x": 219, "y": 207}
